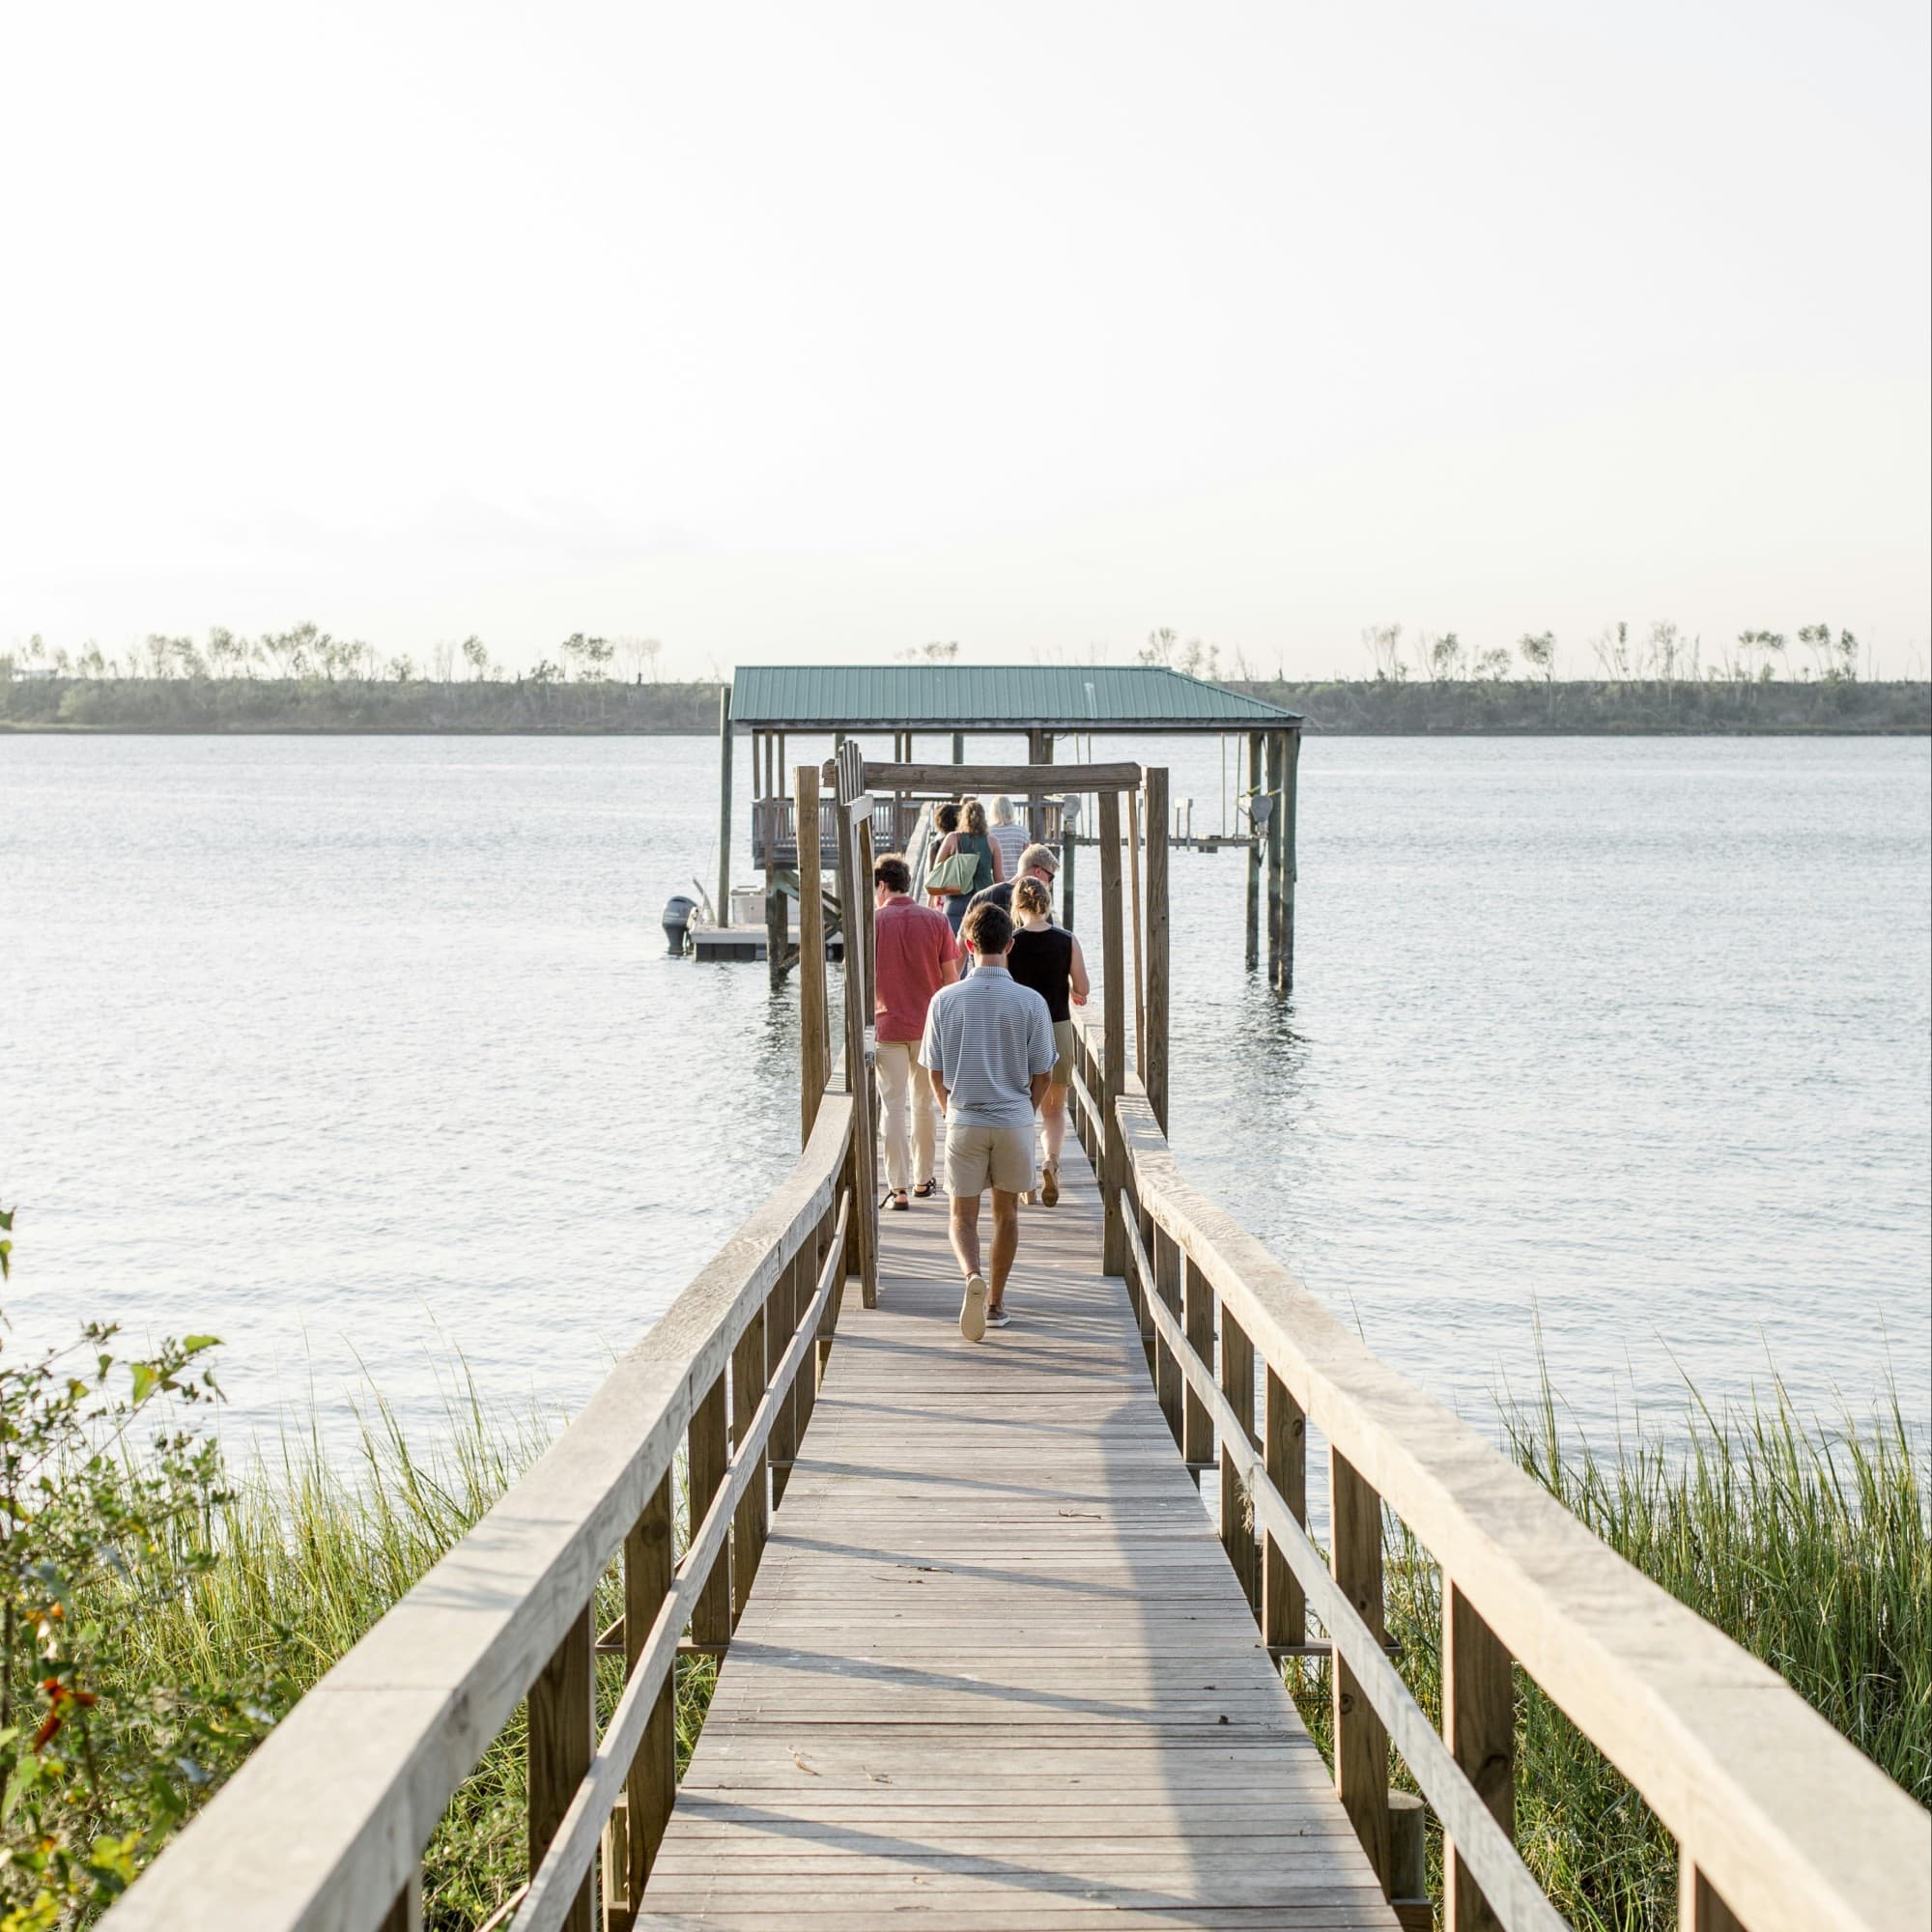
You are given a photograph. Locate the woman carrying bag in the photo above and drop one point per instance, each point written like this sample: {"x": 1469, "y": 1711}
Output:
{"x": 950, "y": 876}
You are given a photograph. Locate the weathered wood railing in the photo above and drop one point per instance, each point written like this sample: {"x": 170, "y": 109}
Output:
{"x": 325, "y": 1824}
{"x": 1781, "y": 1823}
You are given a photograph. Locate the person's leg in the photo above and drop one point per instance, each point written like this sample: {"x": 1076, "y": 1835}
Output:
{"x": 893, "y": 1071}
{"x": 964, "y": 1229}
{"x": 1006, "y": 1239}
{"x": 1011, "y": 1166}
{"x": 925, "y": 1123}
{"x": 1053, "y": 1124}
{"x": 966, "y": 1175}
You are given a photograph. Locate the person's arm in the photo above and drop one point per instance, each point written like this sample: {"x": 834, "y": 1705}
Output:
{"x": 1042, "y": 1050}
{"x": 933, "y": 1060}
{"x": 998, "y": 861}
{"x": 951, "y": 953}
{"x": 1076, "y": 974}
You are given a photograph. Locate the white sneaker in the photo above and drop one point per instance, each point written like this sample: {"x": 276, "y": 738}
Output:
{"x": 972, "y": 1310}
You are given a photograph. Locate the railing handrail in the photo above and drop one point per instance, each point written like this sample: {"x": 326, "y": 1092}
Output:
{"x": 1790, "y": 1822}
{"x": 323, "y": 1827}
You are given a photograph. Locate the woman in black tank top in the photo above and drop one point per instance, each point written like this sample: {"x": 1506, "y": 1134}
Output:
{"x": 1047, "y": 957}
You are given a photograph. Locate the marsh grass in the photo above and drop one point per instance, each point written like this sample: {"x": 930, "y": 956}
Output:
{"x": 1808, "y": 1546}
{"x": 314, "y": 1551}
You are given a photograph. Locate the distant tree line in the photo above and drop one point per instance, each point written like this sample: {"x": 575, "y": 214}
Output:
{"x": 308, "y": 652}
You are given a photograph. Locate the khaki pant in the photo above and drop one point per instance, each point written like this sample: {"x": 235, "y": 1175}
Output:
{"x": 911, "y": 1114}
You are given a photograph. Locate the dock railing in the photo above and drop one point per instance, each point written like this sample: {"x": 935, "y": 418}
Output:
{"x": 1781, "y": 1823}
{"x": 325, "y": 1825}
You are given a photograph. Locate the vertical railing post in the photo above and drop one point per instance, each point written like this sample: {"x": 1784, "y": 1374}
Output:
{"x": 562, "y": 1735}
{"x": 751, "y": 1521}
{"x": 782, "y": 1308}
{"x": 1156, "y": 1075}
{"x": 1197, "y": 1440}
{"x": 407, "y": 1914}
{"x": 1169, "y": 1385}
{"x": 708, "y": 1450}
{"x": 813, "y": 1035}
{"x": 1285, "y": 1452}
{"x": 1361, "y": 1743}
{"x": 1699, "y": 1909}
{"x": 1114, "y": 1038}
{"x": 650, "y": 1789}
{"x": 1479, "y": 1727}
{"x": 1237, "y": 1384}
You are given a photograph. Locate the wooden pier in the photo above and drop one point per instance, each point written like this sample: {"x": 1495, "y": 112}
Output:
{"x": 995, "y": 1669}
{"x": 987, "y": 1661}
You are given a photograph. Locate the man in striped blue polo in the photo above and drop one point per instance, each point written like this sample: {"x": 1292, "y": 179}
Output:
{"x": 989, "y": 1050}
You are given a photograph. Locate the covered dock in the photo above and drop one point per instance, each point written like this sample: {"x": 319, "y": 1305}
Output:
{"x": 1047, "y": 706}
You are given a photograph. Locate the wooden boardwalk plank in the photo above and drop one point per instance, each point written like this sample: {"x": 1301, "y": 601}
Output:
{"x": 996, "y": 1671}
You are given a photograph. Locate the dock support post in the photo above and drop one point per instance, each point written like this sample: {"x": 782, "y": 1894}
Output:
{"x": 1276, "y": 768}
{"x": 862, "y": 1161}
{"x": 1291, "y": 746}
{"x": 1361, "y": 1741}
{"x": 778, "y": 931}
{"x": 1284, "y": 1450}
{"x": 1155, "y": 1014}
{"x": 722, "y": 911}
{"x": 814, "y": 1038}
{"x": 1254, "y": 855}
{"x": 1114, "y": 1038}
{"x": 958, "y": 747}
{"x": 1479, "y": 1727}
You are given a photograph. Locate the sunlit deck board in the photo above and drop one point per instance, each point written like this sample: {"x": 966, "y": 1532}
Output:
{"x": 995, "y": 1671}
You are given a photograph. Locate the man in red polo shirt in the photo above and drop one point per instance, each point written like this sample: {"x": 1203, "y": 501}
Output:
{"x": 914, "y": 953}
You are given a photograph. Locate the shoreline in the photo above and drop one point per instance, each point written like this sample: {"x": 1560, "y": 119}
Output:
{"x": 593, "y": 708}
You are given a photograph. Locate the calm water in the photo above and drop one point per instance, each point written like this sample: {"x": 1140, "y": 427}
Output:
{"x": 357, "y": 1051}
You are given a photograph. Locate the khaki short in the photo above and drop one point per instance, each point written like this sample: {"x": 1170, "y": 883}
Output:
{"x": 980, "y": 1158}
{"x": 1063, "y": 1048}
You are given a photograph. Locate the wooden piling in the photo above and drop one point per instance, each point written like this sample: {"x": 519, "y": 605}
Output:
{"x": 1155, "y": 1068}
{"x": 1276, "y": 767}
{"x": 1140, "y": 971}
{"x": 1291, "y": 781}
{"x": 1254, "y": 855}
{"x": 814, "y": 1035}
{"x": 722, "y": 911}
{"x": 1114, "y": 1002}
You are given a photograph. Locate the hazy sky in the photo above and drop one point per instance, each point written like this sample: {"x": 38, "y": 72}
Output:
{"x": 820, "y": 329}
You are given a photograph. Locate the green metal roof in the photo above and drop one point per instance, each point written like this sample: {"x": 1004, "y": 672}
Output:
{"x": 990, "y": 698}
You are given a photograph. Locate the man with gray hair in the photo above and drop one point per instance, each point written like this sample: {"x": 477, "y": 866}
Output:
{"x": 1036, "y": 862}
{"x": 989, "y": 1051}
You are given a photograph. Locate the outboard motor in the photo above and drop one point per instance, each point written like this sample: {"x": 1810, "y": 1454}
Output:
{"x": 677, "y": 922}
